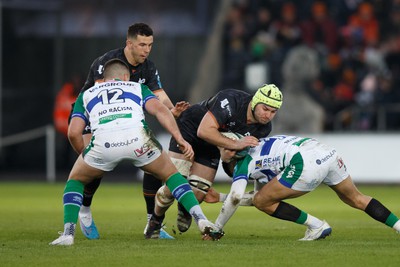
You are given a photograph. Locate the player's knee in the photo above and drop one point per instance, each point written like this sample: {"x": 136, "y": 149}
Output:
{"x": 164, "y": 198}
{"x": 261, "y": 204}
{"x": 200, "y": 184}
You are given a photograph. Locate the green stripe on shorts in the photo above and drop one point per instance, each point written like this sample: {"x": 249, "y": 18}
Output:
{"x": 292, "y": 172}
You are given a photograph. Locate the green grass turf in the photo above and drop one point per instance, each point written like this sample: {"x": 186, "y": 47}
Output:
{"x": 31, "y": 215}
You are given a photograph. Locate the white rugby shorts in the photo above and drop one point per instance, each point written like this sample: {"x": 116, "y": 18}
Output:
{"x": 315, "y": 163}
{"x": 107, "y": 149}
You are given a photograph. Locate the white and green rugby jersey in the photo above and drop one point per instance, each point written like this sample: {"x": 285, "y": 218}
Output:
{"x": 113, "y": 104}
{"x": 269, "y": 158}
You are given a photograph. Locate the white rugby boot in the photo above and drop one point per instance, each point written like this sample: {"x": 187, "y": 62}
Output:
{"x": 63, "y": 240}
{"x": 317, "y": 233}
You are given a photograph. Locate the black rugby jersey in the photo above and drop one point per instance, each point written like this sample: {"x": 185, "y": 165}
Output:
{"x": 229, "y": 108}
{"x": 144, "y": 73}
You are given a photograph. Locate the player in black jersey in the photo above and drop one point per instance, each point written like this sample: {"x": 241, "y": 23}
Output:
{"x": 138, "y": 46}
{"x": 201, "y": 125}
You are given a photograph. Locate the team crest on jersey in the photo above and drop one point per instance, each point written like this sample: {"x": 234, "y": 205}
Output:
{"x": 142, "y": 80}
{"x": 225, "y": 105}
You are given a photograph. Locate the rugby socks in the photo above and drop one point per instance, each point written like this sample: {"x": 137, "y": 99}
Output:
{"x": 150, "y": 186}
{"x": 379, "y": 212}
{"x": 72, "y": 200}
{"x": 288, "y": 212}
{"x": 182, "y": 192}
{"x": 89, "y": 191}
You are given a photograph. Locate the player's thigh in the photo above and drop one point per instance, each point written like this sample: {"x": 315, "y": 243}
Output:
{"x": 83, "y": 172}
{"x": 203, "y": 171}
{"x": 162, "y": 167}
{"x": 274, "y": 192}
{"x": 182, "y": 163}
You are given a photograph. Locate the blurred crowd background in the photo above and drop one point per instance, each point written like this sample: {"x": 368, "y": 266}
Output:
{"x": 336, "y": 61}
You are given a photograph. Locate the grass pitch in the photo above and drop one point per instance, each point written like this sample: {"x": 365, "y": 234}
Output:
{"x": 31, "y": 214}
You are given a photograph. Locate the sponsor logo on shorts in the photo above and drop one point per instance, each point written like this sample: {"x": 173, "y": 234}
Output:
{"x": 341, "y": 163}
{"x": 121, "y": 144}
{"x": 324, "y": 159}
{"x": 141, "y": 151}
{"x": 150, "y": 154}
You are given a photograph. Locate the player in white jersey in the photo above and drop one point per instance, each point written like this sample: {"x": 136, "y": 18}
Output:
{"x": 290, "y": 167}
{"x": 115, "y": 110}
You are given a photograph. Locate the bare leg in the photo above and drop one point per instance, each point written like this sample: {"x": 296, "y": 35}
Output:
{"x": 269, "y": 200}
{"x": 349, "y": 194}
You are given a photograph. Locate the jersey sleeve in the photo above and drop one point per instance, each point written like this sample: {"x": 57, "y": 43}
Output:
{"x": 242, "y": 170}
{"x": 222, "y": 106}
{"x": 79, "y": 110}
{"x": 153, "y": 81}
{"x": 146, "y": 94}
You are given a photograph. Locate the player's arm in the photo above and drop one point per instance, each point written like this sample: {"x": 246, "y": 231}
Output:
{"x": 231, "y": 203}
{"x": 164, "y": 116}
{"x": 75, "y": 129}
{"x": 208, "y": 131}
{"x": 213, "y": 196}
{"x": 79, "y": 119}
{"x": 238, "y": 188}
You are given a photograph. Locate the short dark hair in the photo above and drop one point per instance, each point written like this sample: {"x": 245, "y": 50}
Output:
{"x": 139, "y": 29}
{"x": 113, "y": 67}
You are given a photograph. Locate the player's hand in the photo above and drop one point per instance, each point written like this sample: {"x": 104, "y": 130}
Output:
{"x": 212, "y": 196}
{"x": 179, "y": 108}
{"x": 246, "y": 142}
{"x": 186, "y": 149}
